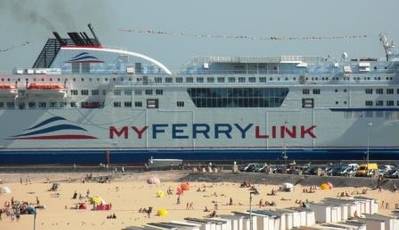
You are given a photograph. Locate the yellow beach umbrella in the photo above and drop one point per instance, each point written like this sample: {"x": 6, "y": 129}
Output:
{"x": 162, "y": 212}
{"x": 160, "y": 194}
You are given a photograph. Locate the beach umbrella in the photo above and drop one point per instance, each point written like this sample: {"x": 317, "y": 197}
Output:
{"x": 96, "y": 200}
{"x": 185, "y": 186}
{"x": 287, "y": 187}
{"x": 160, "y": 194}
{"x": 162, "y": 212}
{"x": 324, "y": 186}
{"x": 179, "y": 191}
{"x": 5, "y": 190}
{"x": 153, "y": 180}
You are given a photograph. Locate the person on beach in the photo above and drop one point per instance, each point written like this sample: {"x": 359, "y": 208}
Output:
{"x": 231, "y": 201}
{"x": 37, "y": 200}
{"x": 206, "y": 209}
{"x": 178, "y": 200}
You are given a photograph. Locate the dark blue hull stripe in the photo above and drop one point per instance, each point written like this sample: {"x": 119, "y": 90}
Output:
{"x": 362, "y": 109}
{"x": 141, "y": 156}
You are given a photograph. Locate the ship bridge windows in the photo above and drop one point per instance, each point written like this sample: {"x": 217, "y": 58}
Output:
{"x": 128, "y": 104}
{"x": 379, "y": 91}
{"x": 252, "y": 79}
{"x": 179, "y": 80}
{"x": 262, "y": 79}
{"x": 117, "y": 92}
{"x": 200, "y": 80}
{"x": 390, "y": 91}
{"x": 390, "y": 103}
{"x": 84, "y": 92}
{"x": 117, "y": 104}
{"x": 74, "y": 92}
{"x": 148, "y": 92}
{"x": 379, "y": 103}
{"x": 241, "y": 79}
{"x": 127, "y": 92}
{"x": 210, "y": 79}
{"x": 232, "y": 79}
{"x": 220, "y": 79}
{"x": 42, "y": 105}
{"x": 158, "y": 80}
{"x": 369, "y": 103}
{"x": 369, "y": 91}
{"x": 180, "y": 103}
{"x": 138, "y": 104}
{"x": 32, "y": 105}
{"x": 159, "y": 92}
{"x": 169, "y": 80}
{"x": 305, "y": 91}
{"x": 316, "y": 91}
{"x": 238, "y": 97}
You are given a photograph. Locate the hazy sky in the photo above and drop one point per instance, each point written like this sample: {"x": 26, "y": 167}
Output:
{"x": 33, "y": 20}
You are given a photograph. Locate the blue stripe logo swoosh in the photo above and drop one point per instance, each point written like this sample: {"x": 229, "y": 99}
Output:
{"x": 52, "y": 129}
{"x": 48, "y": 121}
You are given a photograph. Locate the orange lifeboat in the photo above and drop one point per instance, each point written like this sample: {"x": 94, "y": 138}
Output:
{"x": 8, "y": 90}
{"x": 45, "y": 86}
{"x": 46, "y": 89}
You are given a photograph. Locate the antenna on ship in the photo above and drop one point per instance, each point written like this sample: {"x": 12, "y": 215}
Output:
{"x": 387, "y": 44}
{"x": 94, "y": 34}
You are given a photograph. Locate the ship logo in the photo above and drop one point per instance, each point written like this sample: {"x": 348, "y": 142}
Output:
{"x": 54, "y": 128}
{"x": 84, "y": 57}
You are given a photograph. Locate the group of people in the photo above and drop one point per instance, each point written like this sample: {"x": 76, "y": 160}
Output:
{"x": 311, "y": 189}
{"x": 14, "y": 209}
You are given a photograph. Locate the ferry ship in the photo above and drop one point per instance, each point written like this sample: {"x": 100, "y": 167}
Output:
{"x": 85, "y": 103}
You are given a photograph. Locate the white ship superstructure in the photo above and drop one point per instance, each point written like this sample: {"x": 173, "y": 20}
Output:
{"x": 84, "y": 103}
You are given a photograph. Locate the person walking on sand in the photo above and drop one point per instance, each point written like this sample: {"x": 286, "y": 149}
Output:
{"x": 231, "y": 201}
{"x": 37, "y": 200}
{"x": 178, "y": 200}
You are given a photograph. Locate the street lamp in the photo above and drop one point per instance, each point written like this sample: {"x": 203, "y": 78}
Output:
{"x": 369, "y": 125}
{"x": 250, "y": 208}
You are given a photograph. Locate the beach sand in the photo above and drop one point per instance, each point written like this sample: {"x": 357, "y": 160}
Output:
{"x": 131, "y": 192}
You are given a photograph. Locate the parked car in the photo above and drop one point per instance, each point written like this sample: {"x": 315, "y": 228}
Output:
{"x": 369, "y": 169}
{"x": 385, "y": 169}
{"x": 392, "y": 174}
{"x": 252, "y": 167}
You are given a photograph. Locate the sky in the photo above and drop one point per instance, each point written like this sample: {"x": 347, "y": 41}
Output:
{"x": 33, "y": 21}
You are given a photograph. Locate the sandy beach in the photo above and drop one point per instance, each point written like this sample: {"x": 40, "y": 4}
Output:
{"x": 130, "y": 192}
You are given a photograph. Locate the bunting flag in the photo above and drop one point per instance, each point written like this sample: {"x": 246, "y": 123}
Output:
{"x": 243, "y": 37}
{"x": 3, "y": 50}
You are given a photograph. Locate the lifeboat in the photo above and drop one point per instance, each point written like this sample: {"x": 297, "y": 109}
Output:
{"x": 8, "y": 90}
{"x": 46, "y": 89}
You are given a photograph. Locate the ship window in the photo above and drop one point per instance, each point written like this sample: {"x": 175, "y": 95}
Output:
{"x": 127, "y": 92}
{"x": 390, "y": 91}
{"x": 220, "y": 79}
{"x": 369, "y": 103}
{"x": 180, "y": 104}
{"x": 84, "y": 92}
{"x": 1, "y": 104}
{"x": 379, "y": 91}
{"x": 305, "y": 91}
{"x": 73, "y": 104}
{"x": 336, "y": 102}
{"x": 95, "y": 92}
{"x": 369, "y": 91}
{"x": 179, "y": 80}
{"x": 104, "y": 92}
{"x": 117, "y": 92}
{"x": 345, "y": 102}
{"x": 345, "y": 90}
{"x": 128, "y": 104}
{"x": 138, "y": 104}
{"x": 316, "y": 91}
{"x": 237, "y": 97}
{"x": 152, "y": 103}
{"x": 114, "y": 79}
{"x": 32, "y": 105}
{"x": 232, "y": 79}
{"x": 148, "y": 92}
{"x": 397, "y": 91}
{"x": 117, "y": 104}
{"x": 168, "y": 80}
{"x": 252, "y": 79}
{"x": 105, "y": 79}
{"x": 336, "y": 90}
{"x": 62, "y": 104}
{"x": 307, "y": 103}
{"x": 82, "y": 79}
{"x": 21, "y": 105}
{"x": 159, "y": 92}
{"x": 10, "y": 105}
{"x": 210, "y": 79}
{"x": 241, "y": 79}
{"x": 189, "y": 80}
{"x": 200, "y": 80}
{"x": 50, "y": 79}
{"x": 42, "y": 105}
{"x": 138, "y": 92}
{"x": 390, "y": 103}
{"x": 262, "y": 79}
{"x": 53, "y": 104}
{"x": 379, "y": 103}
{"x": 397, "y": 103}
{"x": 158, "y": 80}
{"x": 271, "y": 79}
{"x": 74, "y": 92}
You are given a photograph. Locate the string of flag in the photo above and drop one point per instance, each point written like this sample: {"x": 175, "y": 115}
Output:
{"x": 3, "y": 50}
{"x": 242, "y": 36}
